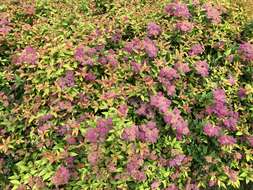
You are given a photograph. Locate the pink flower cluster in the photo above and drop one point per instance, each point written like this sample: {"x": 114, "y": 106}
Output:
{"x": 99, "y": 133}
{"x": 160, "y": 102}
{"x": 5, "y": 27}
{"x": 178, "y": 9}
{"x": 61, "y": 176}
{"x": 134, "y": 45}
{"x": 153, "y": 29}
{"x": 219, "y": 106}
{"x": 182, "y": 67}
{"x": 150, "y": 48}
{"x": 177, "y": 160}
{"x": 145, "y": 110}
{"x": 196, "y": 50}
{"x": 172, "y": 187}
{"x": 246, "y": 51}
{"x": 84, "y": 55}
{"x": 226, "y": 140}
{"x": 184, "y": 26}
{"x": 147, "y": 133}
{"x": 211, "y": 130}
{"x": 212, "y": 13}
{"x": 28, "y": 55}
{"x": 202, "y": 68}
{"x": 68, "y": 80}
{"x": 177, "y": 122}
{"x": 134, "y": 168}
{"x": 166, "y": 77}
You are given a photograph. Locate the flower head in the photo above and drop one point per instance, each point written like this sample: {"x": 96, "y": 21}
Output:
{"x": 61, "y": 176}
{"x": 150, "y": 47}
{"x": 153, "y": 29}
{"x": 184, "y": 26}
{"x": 160, "y": 102}
{"x": 246, "y": 51}
{"x": 196, "y": 49}
{"x": 182, "y": 67}
{"x": 211, "y": 130}
{"x": 226, "y": 140}
{"x": 28, "y": 55}
{"x": 202, "y": 68}
{"x": 168, "y": 73}
{"x": 178, "y": 10}
{"x": 212, "y": 13}
{"x": 131, "y": 133}
{"x": 177, "y": 160}
{"x": 219, "y": 95}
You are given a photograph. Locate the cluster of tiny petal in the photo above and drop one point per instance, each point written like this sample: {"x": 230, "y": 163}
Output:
{"x": 177, "y": 160}
{"x": 212, "y": 13}
{"x": 150, "y": 48}
{"x": 160, "y": 102}
{"x": 153, "y": 29}
{"x": 178, "y": 10}
{"x": 226, "y": 140}
{"x": 28, "y": 55}
{"x": 182, "y": 67}
{"x": 202, "y": 68}
{"x": 246, "y": 51}
{"x": 68, "y": 80}
{"x": 211, "y": 130}
{"x": 99, "y": 133}
{"x": 177, "y": 122}
{"x": 196, "y": 50}
{"x": 147, "y": 133}
{"x": 61, "y": 176}
{"x": 84, "y": 55}
{"x": 184, "y": 26}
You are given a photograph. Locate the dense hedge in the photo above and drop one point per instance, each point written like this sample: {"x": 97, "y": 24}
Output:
{"x": 139, "y": 94}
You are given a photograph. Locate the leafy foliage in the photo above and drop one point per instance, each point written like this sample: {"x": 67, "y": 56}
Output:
{"x": 136, "y": 94}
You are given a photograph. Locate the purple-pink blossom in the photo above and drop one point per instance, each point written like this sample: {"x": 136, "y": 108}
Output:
{"x": 246, "y": 51}
{"x": 160, "y": 102}
{"x": 145, "y": 110}
{"x": 182, "y": 67}
{"x": 99, "y": 133}
{"x": 184, "y": 26}
{"x": 149, "y": 132}
{"x": 67, "y": 80}
{"x": 61, "y": 176}
{"x": 150, "y": 47}
{"x": 172, "y": 187}
{"x": 219, "y": 95}
{"x": 93, "y": 157}
{"x": 153, "y": 29}
{"x": 202, "y": 68}
{"x": 250, "y": 140}
{"x": 133, "y": 46}
{"x": 242, "y": 92}
{"x": 122, "y": 110}
{"x": 177, "y": 160}
{"x": 178, "y": 9}
{"x": 212, "y": 13}
{"x": 28, "y": 55}
{"x": 211, "y": 130}
{"x": 230, "y": 123}
{"x": 168, "y": 73}
{"x": 155, "y": 185}
{"x": 177, "y": 122}
{"x": 196, "y": 50}
{"x": 226, "y": 140}
{"x": 136, "y": 67}
{"x": 130, "y": 133}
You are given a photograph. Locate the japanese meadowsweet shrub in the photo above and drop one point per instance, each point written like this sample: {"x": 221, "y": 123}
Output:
{"x": 155, "y": 101}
